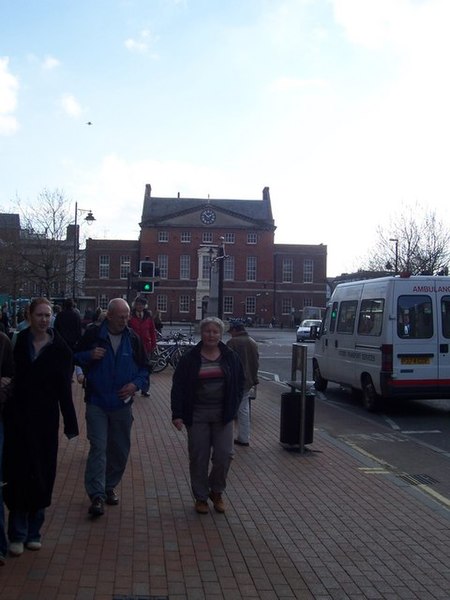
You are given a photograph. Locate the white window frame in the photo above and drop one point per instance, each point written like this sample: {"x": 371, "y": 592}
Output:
{"x": 185, "y": 266}
{"x": 251, "y": 268}
{"x": 308, "y": 270}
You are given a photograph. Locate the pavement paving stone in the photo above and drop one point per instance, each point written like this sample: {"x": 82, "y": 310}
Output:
{"x": 323, "y": 525}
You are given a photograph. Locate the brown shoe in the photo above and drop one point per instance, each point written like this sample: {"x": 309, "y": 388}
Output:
{"x": 201, "y": 506}
{"x": 218, "y": 502}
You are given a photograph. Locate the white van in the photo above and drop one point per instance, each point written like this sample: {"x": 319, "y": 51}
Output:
{"x": 387, "y": 338}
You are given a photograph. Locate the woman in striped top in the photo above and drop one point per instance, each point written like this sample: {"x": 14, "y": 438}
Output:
{"x": 206, "y": 392}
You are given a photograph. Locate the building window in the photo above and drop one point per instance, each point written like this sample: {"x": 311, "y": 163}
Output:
{"x": 206, "y": 266}
{"x": 286, "y": 306}
{"x": 103, "y": 301}
{"x": 229, "y": 238}
{"x": 207, "y": 237}
{"x": 185, "y": 237}
{"x": 252, "y": 237}
{"x": 307, "y": 302}
{"x": 184, "y": 304}
{"x": 250, "y": 305}
{"x": 251, "y": 268}
{"x": 163, "y": 236}
{"x": 308, "y": 270}
{"x": 287, "y": 270}
{"x": 125, "y": 263}
{"x": 228, "y": 268}
{"x": 161, "y": 303}
{"x": 103, "y": 266}
{"x": 185, "y": 266}
{"x": 228, "y": 305}
{"x": 163, "y": 266}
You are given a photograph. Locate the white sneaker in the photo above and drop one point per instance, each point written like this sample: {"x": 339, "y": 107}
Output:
{"x": 16, "y": 548}
{"x": 33, "y": 545}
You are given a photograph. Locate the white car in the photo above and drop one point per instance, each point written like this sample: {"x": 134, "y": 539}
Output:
{"x": 307, "y": 330}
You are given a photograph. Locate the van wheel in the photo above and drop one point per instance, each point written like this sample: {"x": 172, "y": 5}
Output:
{"x": 319, "y": 382}
{"x": 370, "y": 398}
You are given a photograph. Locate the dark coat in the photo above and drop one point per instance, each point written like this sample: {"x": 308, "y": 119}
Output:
{"x": 185, "y": 380}
{"x": 6, "y": 368}
{"x": 68, "y": 324}
{"x": 42, "y": 388}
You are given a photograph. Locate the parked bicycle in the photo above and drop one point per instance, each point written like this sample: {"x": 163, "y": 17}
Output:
{"x": 169, "y": 350}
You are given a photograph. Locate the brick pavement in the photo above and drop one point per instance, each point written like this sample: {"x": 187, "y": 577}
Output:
{"x": 327, "y": 524}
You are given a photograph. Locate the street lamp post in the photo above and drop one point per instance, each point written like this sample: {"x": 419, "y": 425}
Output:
{"x": 216, "y": 276}
{"x": 395, "y": 240}
{"x": 220, "y": 258}
{"x": 89, "y": 218}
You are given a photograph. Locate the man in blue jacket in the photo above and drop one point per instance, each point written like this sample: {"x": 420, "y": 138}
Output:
{"x": 115, "y": 366}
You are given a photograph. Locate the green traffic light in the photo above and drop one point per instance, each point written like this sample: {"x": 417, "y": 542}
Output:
{"x": 147, "y": 287}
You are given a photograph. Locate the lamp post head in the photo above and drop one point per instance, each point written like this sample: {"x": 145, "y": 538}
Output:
{"x": 89, "y": 218}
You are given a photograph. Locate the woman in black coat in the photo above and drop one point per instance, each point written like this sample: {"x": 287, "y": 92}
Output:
{"x": 206, "y": 392}
{"x": 42, "y": 388}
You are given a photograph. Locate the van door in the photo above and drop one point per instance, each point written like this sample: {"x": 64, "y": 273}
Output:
{"x": 324, "y": 345}
{"x": 444, "y": 340}
{"x": 416, "y": 347}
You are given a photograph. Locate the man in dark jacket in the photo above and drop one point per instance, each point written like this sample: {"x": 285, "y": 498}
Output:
{"x": 115, "y": 365}
{"x": 68, "y": 323}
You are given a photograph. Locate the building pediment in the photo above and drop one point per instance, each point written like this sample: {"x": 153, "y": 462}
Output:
{"x": 206, "y": 216}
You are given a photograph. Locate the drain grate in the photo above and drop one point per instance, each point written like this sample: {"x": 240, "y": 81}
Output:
{"x": 421, "y": 479}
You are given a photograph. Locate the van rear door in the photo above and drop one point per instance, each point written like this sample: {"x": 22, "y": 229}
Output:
{"x": 443, "y": 295}
{"x": 416, "y": 355}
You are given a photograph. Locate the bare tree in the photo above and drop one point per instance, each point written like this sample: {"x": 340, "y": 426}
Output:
{"x": 44, "y": 249}
{"x": 415, "y": 241}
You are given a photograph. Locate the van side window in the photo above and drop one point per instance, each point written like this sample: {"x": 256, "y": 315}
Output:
{"x": 445, "y": 311}
{"x": 371, "y": 317}
{"x": 414, "y": 317}
{"x": 347, "y": 316}
{"x": 333, "y": 317}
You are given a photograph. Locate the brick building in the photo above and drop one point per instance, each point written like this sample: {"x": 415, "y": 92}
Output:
{"x": 195, "y": 241}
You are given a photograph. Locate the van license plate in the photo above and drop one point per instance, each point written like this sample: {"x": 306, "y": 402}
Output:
{"x": 415, "y": 360}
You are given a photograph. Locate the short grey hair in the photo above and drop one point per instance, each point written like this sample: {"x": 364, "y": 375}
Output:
{"x": 208, "y": 320}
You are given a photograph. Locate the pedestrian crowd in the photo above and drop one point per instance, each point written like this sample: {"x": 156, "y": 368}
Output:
{"x": 109, "y": 352}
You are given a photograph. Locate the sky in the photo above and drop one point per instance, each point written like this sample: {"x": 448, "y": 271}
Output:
{"x": 340, "y": 107}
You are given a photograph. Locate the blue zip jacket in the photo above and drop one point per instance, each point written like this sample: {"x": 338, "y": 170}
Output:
{"x": 105, "y": 377}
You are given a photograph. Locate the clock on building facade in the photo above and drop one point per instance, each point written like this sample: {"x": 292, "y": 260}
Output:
{"x": 208, "y": 216}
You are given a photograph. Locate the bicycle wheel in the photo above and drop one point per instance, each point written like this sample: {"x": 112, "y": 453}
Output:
{"x": 158, "y": 362}
{"x": 175, "y": 357}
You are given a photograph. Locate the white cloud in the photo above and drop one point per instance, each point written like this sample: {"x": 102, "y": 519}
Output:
{"x": 287, "y": 84}
{"x": 142, "y": 44}
{"x": 50, "y": 63}
{"x": 9, "y": 86}
{"x": 70, "y": 105}
{"x": 370, "y": 23}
